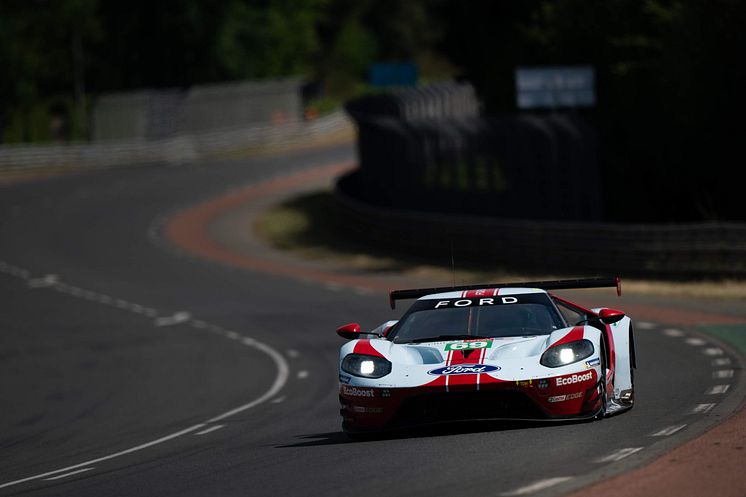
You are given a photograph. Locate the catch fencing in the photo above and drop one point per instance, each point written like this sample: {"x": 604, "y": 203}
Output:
{"x": 174, "y": 150}
{"x": 163, "y": 113}
{"x": 676, "y": 251}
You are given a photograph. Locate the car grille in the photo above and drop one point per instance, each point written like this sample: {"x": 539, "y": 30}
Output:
{"x": 456, "y": 406}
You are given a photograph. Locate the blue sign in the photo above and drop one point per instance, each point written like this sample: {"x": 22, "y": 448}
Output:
{"x": 393, "y": 74}
{"x": 463, "y": 369}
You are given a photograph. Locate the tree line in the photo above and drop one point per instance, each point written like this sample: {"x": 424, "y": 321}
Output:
{"x": 669, "y": 76}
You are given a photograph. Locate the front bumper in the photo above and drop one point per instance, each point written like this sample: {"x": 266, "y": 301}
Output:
{"x": 568, "y": 396}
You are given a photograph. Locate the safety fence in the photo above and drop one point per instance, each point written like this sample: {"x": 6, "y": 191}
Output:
{"x": 163, "y": 113}
{"x": 685, "y": 251}
{"x": 174, "y": 150}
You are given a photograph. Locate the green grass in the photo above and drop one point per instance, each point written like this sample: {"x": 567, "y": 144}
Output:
{"x": 732, "y": 334}
{"x": 315, "y": 227}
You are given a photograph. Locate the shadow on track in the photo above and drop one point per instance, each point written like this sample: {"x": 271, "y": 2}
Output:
{"x": 435, "y": 430}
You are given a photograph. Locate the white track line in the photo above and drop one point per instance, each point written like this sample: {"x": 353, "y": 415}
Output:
{"x": 713, "y": 351}
{"x": 302, "y": 374}
{"x": 702, "y": 408}
{"x": 619, "y": 455}
{"x": 668, "y": 431}
{"x": 69, "y": 474}
{"x": 673, "y": 333}
{"x": 723, "y": 373}
{"x": 696, "y": 342}
{"x": 106, "y": 458}
{"x": 721, "y": 361}
{"x": 644, "y": 325}
{"x": 283, "y": 372}
{"x": 209, "y": 430}
{"x": 536, "y": 486}
{"x": 717, "y": 389}
{"x": 176, "y": 318}
{"x": 44, "y": 282}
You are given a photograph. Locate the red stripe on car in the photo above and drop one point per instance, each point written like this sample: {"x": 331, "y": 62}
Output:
{"x": 458, "y": 357}
{"x": 573, "y": 335}
{"x": 364, "y": 347}
{"x": 483, "y": 292}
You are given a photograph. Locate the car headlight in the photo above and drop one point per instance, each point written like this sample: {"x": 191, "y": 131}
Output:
{"x": 567, "y": 353}
{"x": 367, "y": 366}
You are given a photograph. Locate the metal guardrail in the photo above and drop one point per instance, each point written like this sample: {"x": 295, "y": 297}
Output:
{"x": 685, "y": 251}
{"x": 183, "y": 148}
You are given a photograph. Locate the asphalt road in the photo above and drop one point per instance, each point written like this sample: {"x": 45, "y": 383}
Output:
{"x": 128, "y": 370}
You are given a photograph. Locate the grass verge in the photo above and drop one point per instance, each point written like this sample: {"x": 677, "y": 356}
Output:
{"x": 314, "y": 227}
{"x": 732, "y": 334}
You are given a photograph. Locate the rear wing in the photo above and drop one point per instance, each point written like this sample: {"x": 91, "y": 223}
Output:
{"x": 395, "y": 295}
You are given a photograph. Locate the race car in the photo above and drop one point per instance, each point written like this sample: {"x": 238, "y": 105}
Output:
{"x": 495, "y": 351}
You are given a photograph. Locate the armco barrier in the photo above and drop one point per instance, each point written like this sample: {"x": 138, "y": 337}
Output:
{"x": 183, "y": 148}
{"x": 687, "y": 251}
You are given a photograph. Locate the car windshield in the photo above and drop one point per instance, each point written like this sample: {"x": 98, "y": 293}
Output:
{"x": 455, "y": 319}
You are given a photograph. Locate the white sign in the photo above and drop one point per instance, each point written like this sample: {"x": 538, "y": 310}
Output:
{"x": 550, "y": 87}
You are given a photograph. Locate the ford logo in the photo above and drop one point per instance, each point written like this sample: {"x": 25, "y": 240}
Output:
{"x": 463, "y": 369}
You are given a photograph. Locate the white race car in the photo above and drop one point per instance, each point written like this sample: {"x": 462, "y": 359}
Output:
{"x": 496, "y": 351}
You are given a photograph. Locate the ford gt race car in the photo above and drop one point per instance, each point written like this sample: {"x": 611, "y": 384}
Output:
{"x": 497, "y": 351}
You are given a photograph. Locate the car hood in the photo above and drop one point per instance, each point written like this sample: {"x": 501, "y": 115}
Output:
{"x": 499, "y": 348}
{"x": 437, "y": 352}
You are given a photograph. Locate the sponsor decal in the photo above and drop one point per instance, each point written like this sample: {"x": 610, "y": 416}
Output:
{"x": 576, "y": 378}
{"x": 562, "y": 398}
{"x": 358, "y": 392}
{"x": 463, "y": 369}
{"x": 344, "y": 379}
{"x": 593, "y": 362}
{"x": 478, "y": 302}
{"x": 368, "y": 410}
{"x": 524, "y": 383}
{"x": 543, "y": 383}
{"x": 479, "y": 344}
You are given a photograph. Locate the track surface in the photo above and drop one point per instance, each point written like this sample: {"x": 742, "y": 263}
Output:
{"x": 125, "y": 369}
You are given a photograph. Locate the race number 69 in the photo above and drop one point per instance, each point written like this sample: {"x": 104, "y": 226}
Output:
{"x": 468, "y": 345}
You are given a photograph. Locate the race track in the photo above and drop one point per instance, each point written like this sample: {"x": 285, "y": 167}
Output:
{"x": 129, "y": 368}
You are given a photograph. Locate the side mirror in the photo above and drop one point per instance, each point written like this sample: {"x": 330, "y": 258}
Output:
{"x": 349, "y": 331}
{"x": 352, "y": 331}
{"x": 610, "y": 316}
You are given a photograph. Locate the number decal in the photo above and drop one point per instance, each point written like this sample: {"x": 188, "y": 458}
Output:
{"x": 482, "y": 344}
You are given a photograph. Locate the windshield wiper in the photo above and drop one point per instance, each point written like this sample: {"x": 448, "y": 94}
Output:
{"x": 441, "y": 338}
